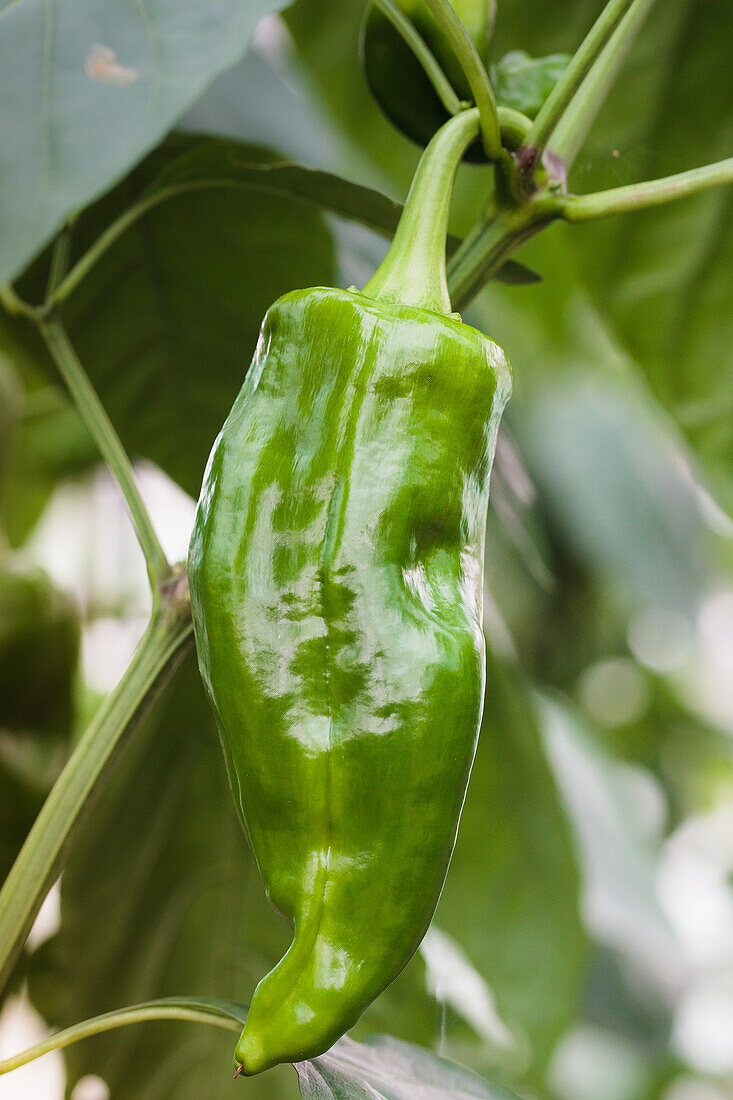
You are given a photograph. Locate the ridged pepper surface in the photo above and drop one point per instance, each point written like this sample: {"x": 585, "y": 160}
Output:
{"x": 336, "y": 579}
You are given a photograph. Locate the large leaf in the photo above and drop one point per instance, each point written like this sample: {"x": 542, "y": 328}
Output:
{"x": 161, "y": 897}
{"x": 386, "y": 1069}
{"x": 167, "y": 320}
{"x": 662, "y": 277}
{"x": 88, "y": 87}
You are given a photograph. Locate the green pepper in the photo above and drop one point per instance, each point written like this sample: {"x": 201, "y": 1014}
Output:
{"x": 336, "y": 582}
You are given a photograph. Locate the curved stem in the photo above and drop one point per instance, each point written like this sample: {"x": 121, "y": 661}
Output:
{"x": 476, "y": 75}
{"x": 40, "y": 859}
{"x": 180, "y": 1008}
{"x": 312, "y": 186}
{"x": 95, "y": 418}
{"x": 14, "y": 304}
{"x": 639, "y": 196}
{"x": 568, "y": 136}
{"x": 488, "y": 246}
{"x": 514, "y": 127}
{"x": 413, "y": 271}
{"x": 431, "y": 66}
{"x": 568, "y": 84}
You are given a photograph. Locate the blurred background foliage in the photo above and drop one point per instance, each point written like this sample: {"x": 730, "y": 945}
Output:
{"x": 583, "y": 946}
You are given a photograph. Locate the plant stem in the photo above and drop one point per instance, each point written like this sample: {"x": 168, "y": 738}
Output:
{"x": 13, "y": 304}
{"x": 41, "y": 857}
{"x": 60, "y": 257}
{"x": 431, "y": 66}
{"x": 95, "y": 418}
{"x": 413, "y": 271}
{"x": 476, "y": 75}
{"x": 639, "y": 196}
{"x": 570, "y": 133}
{"x": 183, "y": 1008}
{"x": 488, "y": 246}
{"x": 568, "y": 84}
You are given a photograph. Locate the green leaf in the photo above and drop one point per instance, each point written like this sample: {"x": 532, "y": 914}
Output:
{"x": 51, "y": 445}
{"x": 39, "y": 647}
{"x": 10, "y": 402}
{"x": 511, "y": 898}
{"x": 89, "y": 87}
{"x": 662, "y": 276}
{"x": 383, "y": 1068}
{"x": 515, "y": 274}
{"x": 167, "y": 320}
{"x": 161, "y": 898}
{"x": 220, "y": 163}
{"x": 525, "y": 82}
{"x": 611, "y": 474}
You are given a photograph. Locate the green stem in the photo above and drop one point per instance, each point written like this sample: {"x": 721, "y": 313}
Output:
{"x": 95, "y": 418}
{"x": 182, "y": 1008}
{"x": 639, "y": 196}
{"x": 413, "y": 271}
{"x": 488, "y": 246}
{"x": 514, "y": 127}
{"x": 568, "y": 84}
{"x": 430, "y": 64}
{"x": 41, "y": 857}
{"x": 476, "y": 75}
{"x": 15, "y": 305}
{"x": 111, "y": 235}
{"x": 60, "y": 257}
{"x": 570, "y": 133}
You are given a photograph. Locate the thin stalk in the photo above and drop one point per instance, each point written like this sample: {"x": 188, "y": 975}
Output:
{"x": 489, "y": 245}
{"x": 514, "y": 127}
{"x": 41, "y": 857}
{"x": 60, "y": 257}
{"x": 169, "y": 1009}
{"x": 14, "y": 304}
{"x": 112, "y": 234}
{"x": 430, "y": 64}
{"x": 579, "y": 67}
{"x": 570, "y": 133}
{"x": 475, "y": 72}
{"x": 640, "y": 196}
{"x": 95, "y": 418}
{"x": 413, "y": 271}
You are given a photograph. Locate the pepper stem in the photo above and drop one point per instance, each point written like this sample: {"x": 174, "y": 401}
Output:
{"x": 413, "y": 271}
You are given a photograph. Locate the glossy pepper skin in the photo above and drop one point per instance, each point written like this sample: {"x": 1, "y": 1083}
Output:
{"x": 336, "y": 579}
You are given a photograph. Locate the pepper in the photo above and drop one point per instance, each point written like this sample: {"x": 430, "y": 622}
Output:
{"x": 336, "y": 583}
